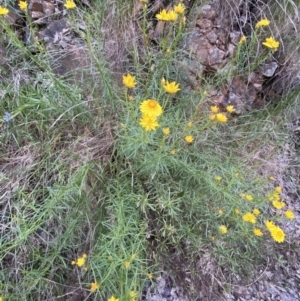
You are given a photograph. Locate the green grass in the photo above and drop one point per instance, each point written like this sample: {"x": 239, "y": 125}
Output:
{"x": 79, "y": 175}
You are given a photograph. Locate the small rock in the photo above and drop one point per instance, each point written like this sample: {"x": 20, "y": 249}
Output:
{"x": 269, "y": 69}
{"x": 212, "y": 37}
{"x": 207, "y": 12}
{"x": 205, "y": 24}
{"x": 231, "y": 49}
{"x": 235, "y": 37}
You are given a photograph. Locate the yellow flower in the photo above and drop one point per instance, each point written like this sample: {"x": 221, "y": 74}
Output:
{"x": 126, "y": 264}
{"x": 80, "y": 262}
{"x": 277, "y": 234}
{"x": 190, "y": 124}
{"x": 289, "y": 214}
{"x": 23, "y": 5}
{"x": 249, "y": 217}
{"x": 274, "y": 196}
{"x": 230, "y": 109}
{"x": 220, "y": 211}
{"x": 1, "y": 298}
{"x": 270, "y": 225}
{"x": 171, "y": 88}
{"x": 172, "y": 15}
{"x": 271, "y": 178}
{"x": 242, "y": 39}
{"x": 148, "y": 123}
{"x": 166, "y": 131}
{"x": 248, "y": 197}
{"x": 214, "y": 109}
{"x": 278, "y": 189}
{"x": 130, "y": 98}
{"x": 212, "y": 117}
{"x": 256, "y": 211}
{"x": 261, "y": 23}
{"x": 278, "y": 204}
{"x": 151, "y": 108}
{"x": 237, "y": 211}
{"x": 113, "y": 298}
{"x": 3, "y": 11}
{"x": 189, "y": 138}
{"x": 70, "y": 4}
{"x": 150, "y": 276}
{"x": 162, "y": 16}
{"x": 223, "y": 229}
{"x": 218, "y": 178}
{"x": 132, "y": 294}
{"x": 257, "y": 232}
{"x": 173, "y": 152}
{"x": 179, "y": 9}
{"x": 129, "y": 81}
{"x": 144, "y": 1}
{"x": 271, "y": 43}
{"x": 221, "y": 117}
{"x": 94, "y": 286}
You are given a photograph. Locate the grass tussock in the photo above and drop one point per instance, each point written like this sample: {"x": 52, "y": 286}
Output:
{"x": 109, "y": 178}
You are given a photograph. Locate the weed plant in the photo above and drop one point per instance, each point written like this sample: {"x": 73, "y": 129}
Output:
{"x": 103, "y": 187}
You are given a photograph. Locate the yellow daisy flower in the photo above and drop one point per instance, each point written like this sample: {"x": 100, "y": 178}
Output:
{"x": 230, "y": 109}
{"x": 189, "y": 138}
{"x": 171, "y": 88}
{"x": 220, "y": 117}
{"x": 129, "y": 81}
{"x": 179, "y": 9}
{"x": 289, "y": 214}
{"x": 166, "y": 131}
{"x": 262, "y": 23}
{"x": 242, "y": 40}
{"x": 69, "y": 4}
{"x": 271, "y": 43}
{"x": 278, "y": 189}
{"x": 257, "y": 232}
{"x": 151, "y": 108}
{"x": 249, "y": 197}
{"x": 113, "y": 298}
{"x": 172, "y": 15}
{"x": 256, "y": 211}
{"x": 223, "y": 229}
{"x": 212, "y": 117}
{"x": 162, "y": 16}
{"x": 126, "y": 264}
{"x": 278, "y": 204}
{"x": 237, "y": 211}
{"x": 94, "y": 287}
{"x": 249, "y": 217}
{"x": 270, "y": 225}
{"x": 214, "y": 109}
{"x": 148, "y": 123}
{"x": 277, "y": 234}
{"x": 23, "y": 5}
{"x": 173, "y": 152}
{"x": 3, "y": 11}
{"x": 80, "y": 262}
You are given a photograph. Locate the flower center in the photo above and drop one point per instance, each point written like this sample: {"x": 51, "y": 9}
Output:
{"x": 152, "y": 104}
